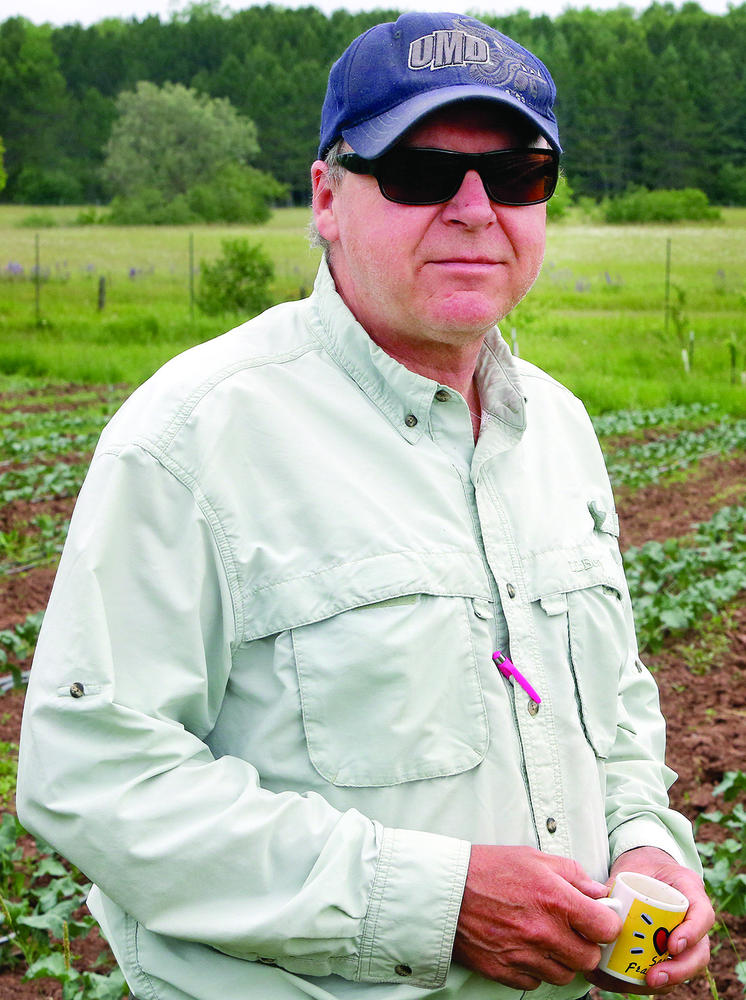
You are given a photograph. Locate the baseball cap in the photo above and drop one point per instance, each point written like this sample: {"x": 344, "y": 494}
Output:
{"x": 394, "y": 74}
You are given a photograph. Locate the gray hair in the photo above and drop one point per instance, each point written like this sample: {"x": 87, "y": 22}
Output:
{"x": 334, "y": 172}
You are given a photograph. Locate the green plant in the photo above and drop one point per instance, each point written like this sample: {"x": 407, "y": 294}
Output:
{"x": 677, "y": 584}
{"x": 238, "y": 281}
{"x": 8, "y": 773}
{"x": 641, "y": 205}
{"x": 17, "y": 644}
{"x": 724, "y": 860}
{"x": 40, "y": 899}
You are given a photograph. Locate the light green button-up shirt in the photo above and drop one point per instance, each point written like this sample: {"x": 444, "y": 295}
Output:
{"x": 264, "y": 717}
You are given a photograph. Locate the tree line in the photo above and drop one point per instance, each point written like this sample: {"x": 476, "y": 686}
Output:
{"x": 654, "y": 99}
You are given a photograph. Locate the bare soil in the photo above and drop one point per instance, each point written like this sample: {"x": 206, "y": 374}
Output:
{"x": 706, "y": 711}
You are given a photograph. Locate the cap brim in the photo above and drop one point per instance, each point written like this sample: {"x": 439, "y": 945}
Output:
{"x": 373, "y": 137}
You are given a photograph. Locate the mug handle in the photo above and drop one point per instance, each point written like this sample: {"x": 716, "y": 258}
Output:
{"x": 614, "y": 904}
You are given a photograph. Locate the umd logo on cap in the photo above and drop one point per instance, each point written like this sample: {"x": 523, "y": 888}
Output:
{"x": 444, "y": 48}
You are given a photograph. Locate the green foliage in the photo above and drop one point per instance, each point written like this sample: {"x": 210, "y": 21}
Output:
{"x": 3, "y": 175}
{"x": 650, "y": 461}
{"x": 8, "y": 773}
{"x": 626, "y": 421}
{"x": 148, "y": 207}
{"x": 675, "y": 584}
{"x": 640, "y": 205}
{"x": 724, "y": 860}
{"x": 235, "y": 193}
{"x": 18, "y": 643}
{"x": 43, "y": 185}
{"x": 167, "y": 139}
{"x": 236, "y": 282}
{"x": 39, "y": 899}
{"x": 638, "y": 101}
{"x": 38, "y": 220}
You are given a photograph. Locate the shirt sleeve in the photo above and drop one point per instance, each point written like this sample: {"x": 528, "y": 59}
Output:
{"x": 637, "y": 777}
{"x": 116, "y": 773}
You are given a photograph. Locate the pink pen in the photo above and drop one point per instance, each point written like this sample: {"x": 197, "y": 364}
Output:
{"x": 509, "y": 670}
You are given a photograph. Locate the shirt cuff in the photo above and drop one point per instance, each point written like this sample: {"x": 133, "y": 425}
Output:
{"x": 414, "y": 907}
{"x": 644, "y": 833}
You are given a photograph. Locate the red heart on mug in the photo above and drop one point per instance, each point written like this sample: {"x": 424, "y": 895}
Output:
{"x": 660, "y": 940}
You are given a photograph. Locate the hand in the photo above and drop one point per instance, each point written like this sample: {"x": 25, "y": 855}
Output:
{"x": 688, "y": 944}
{"x": 528, "y": 918}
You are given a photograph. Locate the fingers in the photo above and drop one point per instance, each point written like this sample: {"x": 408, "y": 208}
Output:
{"x": 521, "y": 969}
{"x": 571, "y": 872}
{"x": 699, "y": 919}
{"x": 596, "y": 922}
{"x": 677, "y": 970}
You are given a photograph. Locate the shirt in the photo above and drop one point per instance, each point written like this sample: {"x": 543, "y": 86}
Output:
{"x": 264, "y": 716}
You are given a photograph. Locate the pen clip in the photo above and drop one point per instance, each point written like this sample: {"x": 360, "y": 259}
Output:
{"x": 508, "y": 669}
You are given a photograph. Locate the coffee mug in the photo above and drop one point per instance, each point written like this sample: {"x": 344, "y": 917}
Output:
{"x": 649, "y": 910}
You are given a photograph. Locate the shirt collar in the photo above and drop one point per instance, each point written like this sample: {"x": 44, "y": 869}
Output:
{"x": 403, "y": 396}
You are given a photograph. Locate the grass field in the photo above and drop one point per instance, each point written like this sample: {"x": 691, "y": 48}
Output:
{"x": 595, "y": 319}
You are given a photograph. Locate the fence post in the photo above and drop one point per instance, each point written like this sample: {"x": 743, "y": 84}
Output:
{"x": 191, "y": 276}
{"x": 37, "y": 282}
{"x": 666, "y": 307}
{"x": 101, "y": 292}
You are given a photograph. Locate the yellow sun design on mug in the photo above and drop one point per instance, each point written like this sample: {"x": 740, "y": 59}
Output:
{"x": 643, "y": 941}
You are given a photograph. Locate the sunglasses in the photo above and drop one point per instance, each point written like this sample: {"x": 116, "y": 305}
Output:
{"x": 411, "y": 175}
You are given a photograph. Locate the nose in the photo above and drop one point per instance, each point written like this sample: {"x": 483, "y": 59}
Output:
{"x": 471, "y": 205}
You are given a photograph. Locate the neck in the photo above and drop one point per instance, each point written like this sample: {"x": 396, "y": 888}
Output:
{"x": 445, "y": 364}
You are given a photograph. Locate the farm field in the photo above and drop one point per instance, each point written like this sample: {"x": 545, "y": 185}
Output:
{"x": 595, "y": 319}
{"x": 673, "y": 468}
{"x": 675, "y": 444}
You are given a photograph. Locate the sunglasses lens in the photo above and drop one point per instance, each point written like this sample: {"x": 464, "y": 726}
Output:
{"x": 419, "y": 177}
{"x": 521, "y": 178}
{"x": 431, "y": 176}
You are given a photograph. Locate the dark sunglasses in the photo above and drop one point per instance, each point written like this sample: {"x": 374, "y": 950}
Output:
{"x": 410, "y": 175}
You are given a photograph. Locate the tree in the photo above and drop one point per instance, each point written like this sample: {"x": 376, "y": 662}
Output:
{"x": 170, "y": 138}
{"x": 33, "y": 102}
{"x": 3, "y": 175}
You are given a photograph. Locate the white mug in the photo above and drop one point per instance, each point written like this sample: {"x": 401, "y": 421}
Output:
{"x": 650, "y": 910}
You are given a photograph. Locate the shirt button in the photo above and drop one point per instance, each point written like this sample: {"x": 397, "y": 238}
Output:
{"x": 533, "y": 706}
{"x": 442, "y": 395}
{"x": 552, "y": 824}
{"x": 403, "y": 970}
{"x": 511, "y": 590}
{"x": 77, "y": 690}
{"x": 410, "y": 420}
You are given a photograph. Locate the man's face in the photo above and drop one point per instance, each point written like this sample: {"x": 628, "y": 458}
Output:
{"x": 436, "y": 274}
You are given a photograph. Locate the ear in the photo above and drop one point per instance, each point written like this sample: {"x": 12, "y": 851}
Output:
{"x": 323, "y": 202}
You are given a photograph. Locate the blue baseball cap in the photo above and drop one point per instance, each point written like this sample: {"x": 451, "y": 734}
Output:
{"x": 394, "y": 74}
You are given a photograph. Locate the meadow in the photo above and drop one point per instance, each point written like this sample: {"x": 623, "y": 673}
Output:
{"x": 596, "y": 318}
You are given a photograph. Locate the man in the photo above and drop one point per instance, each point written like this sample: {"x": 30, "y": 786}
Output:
{"x": 337, "y": 694}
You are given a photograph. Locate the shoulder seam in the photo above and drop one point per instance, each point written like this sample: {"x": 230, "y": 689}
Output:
{"x": 169, "y": 432}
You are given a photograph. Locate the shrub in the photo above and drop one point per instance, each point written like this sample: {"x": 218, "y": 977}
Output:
{"x": 38, "y": 220}
{"x": 148, "y": 208}
{"x": 236, "y": 194}
{"x": 41, "y": 186}
{"x": 238, "y": 281}
{"x": 641, "y": 205}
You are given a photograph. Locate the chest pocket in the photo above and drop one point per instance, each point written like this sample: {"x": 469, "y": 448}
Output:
{"x": 390, "y": 692}
{"x": 585, "y": 606}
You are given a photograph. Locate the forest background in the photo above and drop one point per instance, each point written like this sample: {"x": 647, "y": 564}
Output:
{"x": 655, "y": 99}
